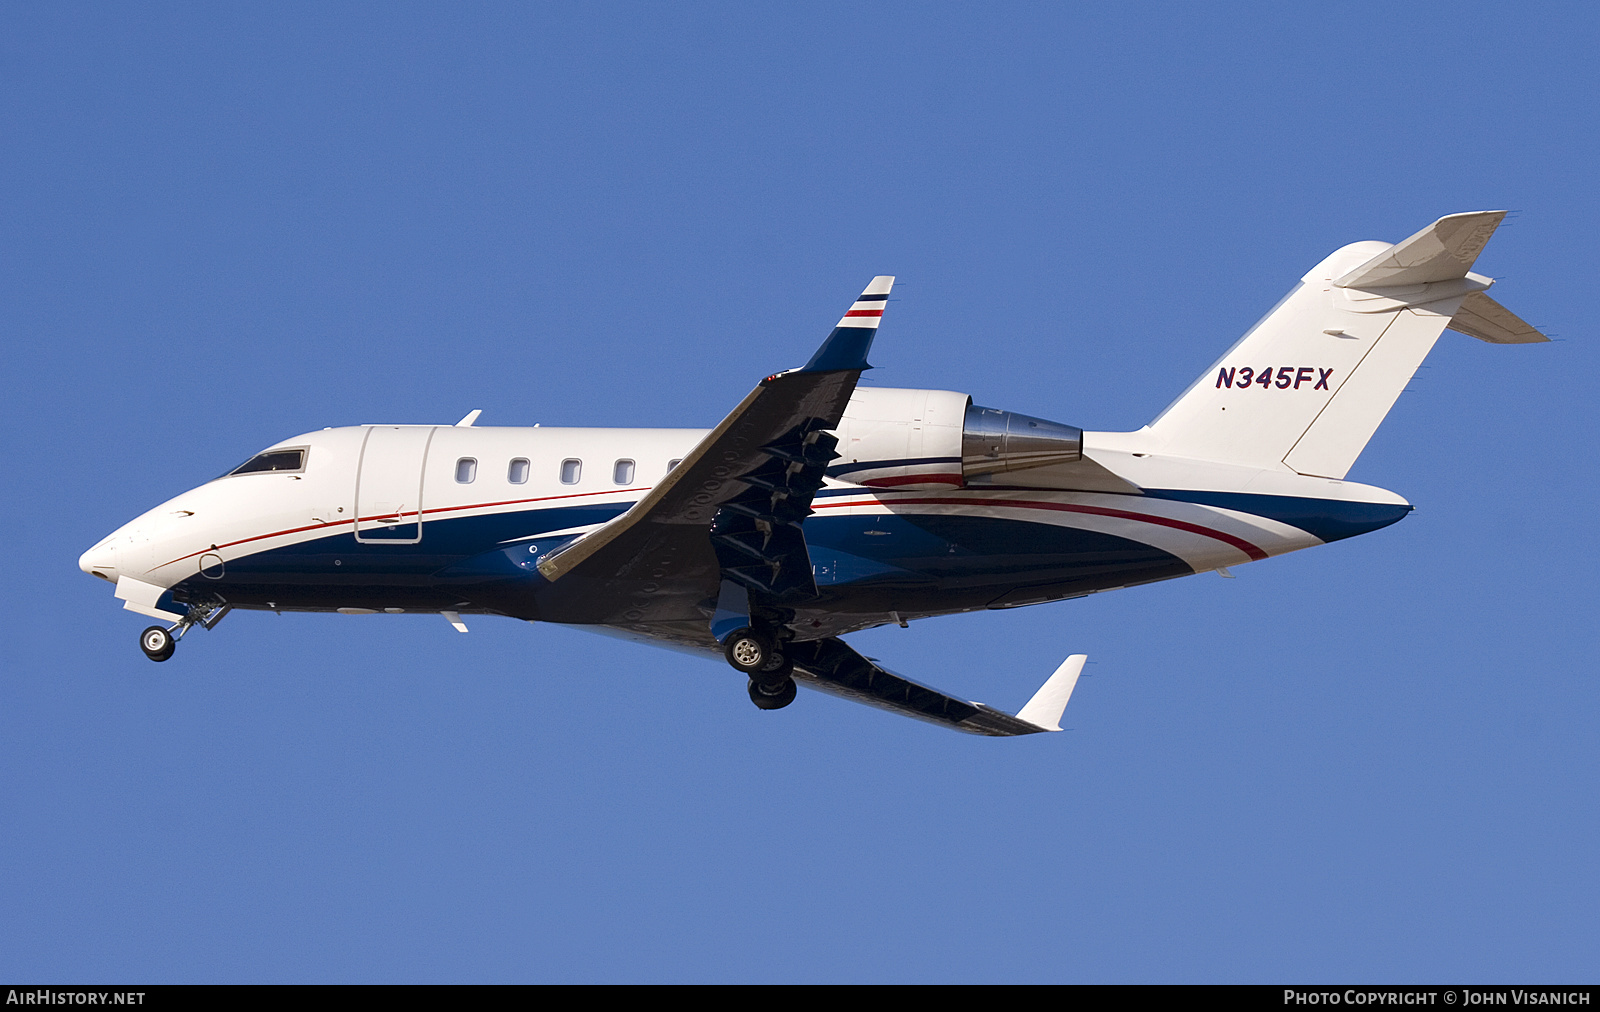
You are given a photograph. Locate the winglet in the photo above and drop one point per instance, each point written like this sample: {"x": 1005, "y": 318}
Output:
{"x": 847, "y": 346}
{"x": 1045, "y": 708}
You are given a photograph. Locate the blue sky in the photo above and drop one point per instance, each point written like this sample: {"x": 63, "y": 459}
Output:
{"x": 227, "y": 224}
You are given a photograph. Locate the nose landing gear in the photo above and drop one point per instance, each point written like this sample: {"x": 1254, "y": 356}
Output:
{"x": 159, "y": 644}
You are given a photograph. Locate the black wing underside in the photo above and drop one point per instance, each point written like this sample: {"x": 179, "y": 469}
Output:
{"x": 831, "y": 666}
{"x": 730, "y": 511}
{"x": 738, "y": 498}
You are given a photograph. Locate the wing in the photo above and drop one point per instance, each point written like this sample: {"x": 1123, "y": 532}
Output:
{"x": 833, "y": 667}
{"x": 731, "y": 510}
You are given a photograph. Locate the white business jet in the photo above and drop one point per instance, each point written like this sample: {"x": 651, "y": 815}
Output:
{"x": 816, "y": 508}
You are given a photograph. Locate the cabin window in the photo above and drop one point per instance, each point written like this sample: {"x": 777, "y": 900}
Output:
{"x": 571, "y": 471}
{"x": 466, "y": 470}
{"x": 273, "y": 460}
{"x": 622, "y": 472}
{"x": 517, "y": 474}
{"x": 674, "y": 462}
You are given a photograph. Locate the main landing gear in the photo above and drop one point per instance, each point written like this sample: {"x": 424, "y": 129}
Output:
{"x": 159, "y": 644}
{"x": 759, "y": 655}
{"x": 768, "y": 696}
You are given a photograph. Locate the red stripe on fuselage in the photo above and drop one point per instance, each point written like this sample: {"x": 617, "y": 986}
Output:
{"x": 1244, "y": 546}
{"x": 914, "y": 479}
{"x": 1255, "y": 553}
{"x": 381, "y": 516}
{"x": 864, "y": 312}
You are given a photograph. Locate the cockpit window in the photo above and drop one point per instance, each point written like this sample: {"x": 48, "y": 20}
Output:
{"x": 273, "y": 460}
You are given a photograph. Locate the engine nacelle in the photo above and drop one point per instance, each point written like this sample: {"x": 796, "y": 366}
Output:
{"x": 937, "y": 439}
{"x": 993, "y": 441}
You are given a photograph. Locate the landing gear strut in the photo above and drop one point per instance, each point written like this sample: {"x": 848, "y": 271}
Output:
{"x": 159, "y": 644}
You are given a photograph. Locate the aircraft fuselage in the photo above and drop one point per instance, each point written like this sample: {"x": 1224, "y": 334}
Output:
{"x": 442, "y": 518}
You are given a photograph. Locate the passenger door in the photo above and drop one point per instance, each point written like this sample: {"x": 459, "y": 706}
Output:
{"x": 389, "y": 484}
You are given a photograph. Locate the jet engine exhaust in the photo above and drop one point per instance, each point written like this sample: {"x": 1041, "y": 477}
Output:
{"x": 993, "y": 441}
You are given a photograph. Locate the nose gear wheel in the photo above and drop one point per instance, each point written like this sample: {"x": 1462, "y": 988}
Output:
{"x": 157, "y": 643}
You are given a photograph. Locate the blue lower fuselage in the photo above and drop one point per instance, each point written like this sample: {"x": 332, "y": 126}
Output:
{"x": 872, "y": 553}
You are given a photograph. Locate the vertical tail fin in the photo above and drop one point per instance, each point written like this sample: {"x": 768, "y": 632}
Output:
{"x": 1308, "y": 385}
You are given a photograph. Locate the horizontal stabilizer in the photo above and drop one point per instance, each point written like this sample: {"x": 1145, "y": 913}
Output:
{"x": 1443, "y": 251}
{"x": 1487, "y": 320}
{"x": 833, "y": 667}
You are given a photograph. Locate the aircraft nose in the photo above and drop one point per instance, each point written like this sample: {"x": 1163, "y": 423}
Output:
{"x": 101, "y": 561}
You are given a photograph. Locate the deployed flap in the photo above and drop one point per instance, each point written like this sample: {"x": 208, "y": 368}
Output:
{"x": 832, "y": 666}
{"x": 1444, "y": 250}
{"x": 753, "y": 476}
{"x": 1487, "y": 320}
